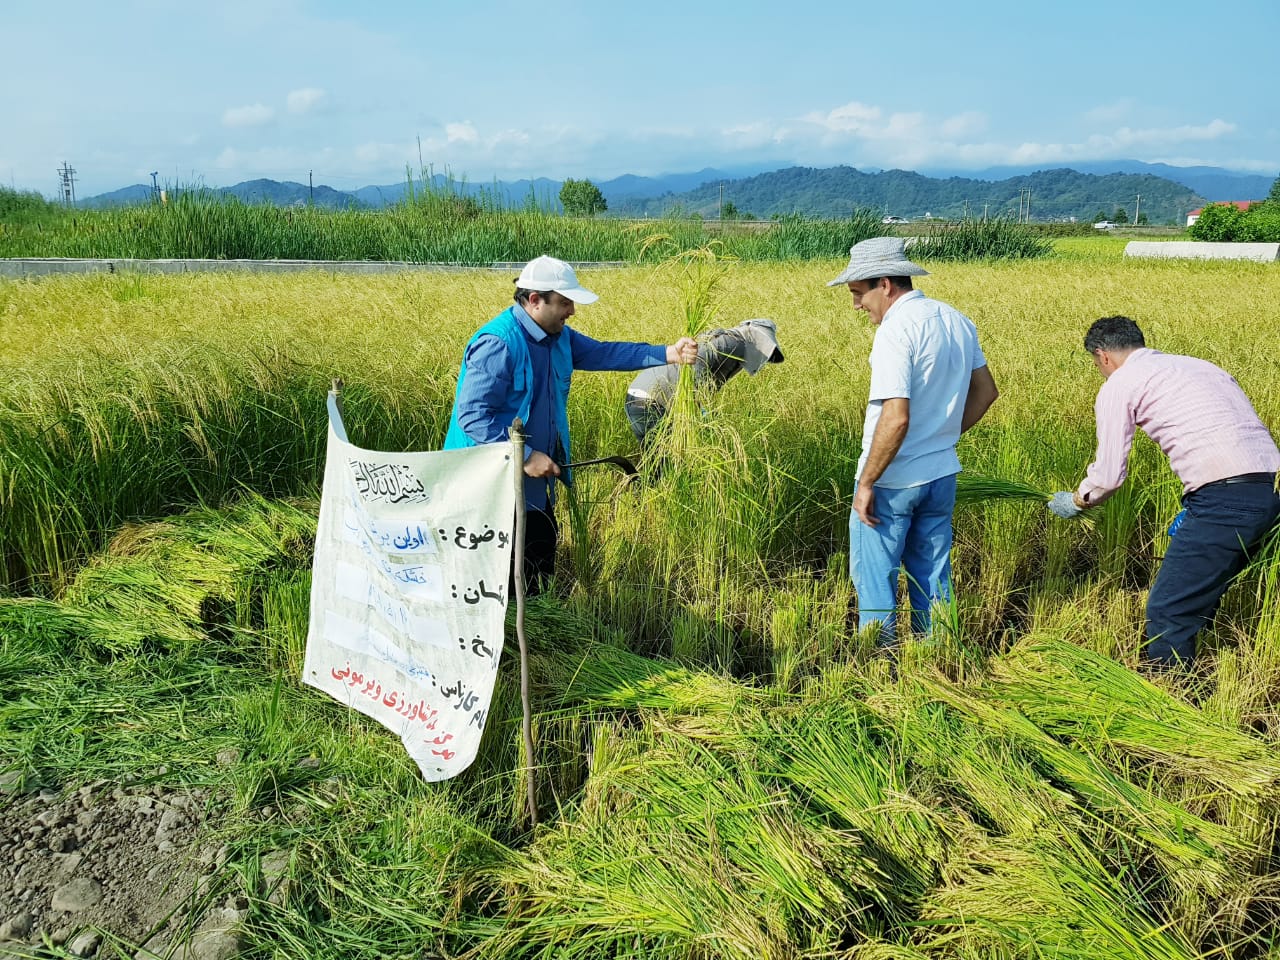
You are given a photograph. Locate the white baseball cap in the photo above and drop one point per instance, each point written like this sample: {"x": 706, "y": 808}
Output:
{"x": 548, "y": 273}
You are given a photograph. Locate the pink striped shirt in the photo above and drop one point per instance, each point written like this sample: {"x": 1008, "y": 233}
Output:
{"x": 1194, "y": 411}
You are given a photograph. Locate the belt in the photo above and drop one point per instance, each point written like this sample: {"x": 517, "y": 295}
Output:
{"x": 1245, "y": 478}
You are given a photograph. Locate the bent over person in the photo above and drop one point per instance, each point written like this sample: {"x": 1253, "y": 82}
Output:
{"x": 722, "y": 354}
{"x": 520, "y": 364}
{"x": 929, "y": 384}
{"x": 1220, "y": 450}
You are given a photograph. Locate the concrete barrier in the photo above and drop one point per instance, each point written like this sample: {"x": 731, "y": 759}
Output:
{"x": 24, "y": 267}
{"x": 1194, "y": 250}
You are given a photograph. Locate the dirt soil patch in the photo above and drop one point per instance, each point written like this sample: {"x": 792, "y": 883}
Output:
{"x": 135, "y": 864}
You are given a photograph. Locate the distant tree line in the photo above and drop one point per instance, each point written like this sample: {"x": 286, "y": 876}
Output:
{"x": 1051, "y": 196}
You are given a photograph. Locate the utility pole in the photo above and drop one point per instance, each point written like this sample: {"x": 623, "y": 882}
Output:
{"x": 311, "y": 187}
{"x": 1136, "y": 207}
{"x": 984, "y": 212}
{"x": 67, "y": 175}
{"x": 155, "y": 189}
{"x": 720, "y": 214}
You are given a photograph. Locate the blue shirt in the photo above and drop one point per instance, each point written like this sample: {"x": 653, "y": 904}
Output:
{"x": 489, "y": 379}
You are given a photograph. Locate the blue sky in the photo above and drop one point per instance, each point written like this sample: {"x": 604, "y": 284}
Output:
{"x": 240, "y": 89}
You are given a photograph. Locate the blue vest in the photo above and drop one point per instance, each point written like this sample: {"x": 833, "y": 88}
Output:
{"x": 507, "y": 328}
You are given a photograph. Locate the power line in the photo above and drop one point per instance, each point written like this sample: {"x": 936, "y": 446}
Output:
{"x": 67, "y": 177}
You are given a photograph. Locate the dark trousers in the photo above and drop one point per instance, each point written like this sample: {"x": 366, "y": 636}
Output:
{"x": 1224, "y": 522}
{"x": 644, "y": 416}
{"x": 540, "y": 536}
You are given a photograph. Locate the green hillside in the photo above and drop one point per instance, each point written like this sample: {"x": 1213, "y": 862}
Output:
{"x": 834, "y": 191}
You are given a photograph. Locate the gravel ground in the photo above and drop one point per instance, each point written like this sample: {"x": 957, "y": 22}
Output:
{"x": 136, "y": 864}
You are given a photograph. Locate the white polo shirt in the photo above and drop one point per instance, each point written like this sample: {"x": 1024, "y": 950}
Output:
{"x": 925, "y": 351}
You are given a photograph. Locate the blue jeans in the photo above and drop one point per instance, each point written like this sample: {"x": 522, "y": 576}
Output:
{"x": 1224, "y": 522}
{"x": 914, "y": 532}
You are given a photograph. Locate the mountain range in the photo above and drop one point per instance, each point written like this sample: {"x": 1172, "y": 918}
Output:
{"x": 1162, "y": 192}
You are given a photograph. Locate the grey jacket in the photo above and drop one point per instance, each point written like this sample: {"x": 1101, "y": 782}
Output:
{"x": 722, "y": 354}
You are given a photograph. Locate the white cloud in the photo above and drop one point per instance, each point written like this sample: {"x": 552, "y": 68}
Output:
{"x": 853, "y": 117}
{"x": 300, "y": 101}
{"x": 965, "y": 124}
{"x": 856, "y": 133}
{"x": 865, "y": 134}
{"x": 857, "y": 120}
{"x": 461, "y": 133}
{"x": 1123, "y": 140}
{"x": 510, "y": 138}
{"x": 254, "y": 116}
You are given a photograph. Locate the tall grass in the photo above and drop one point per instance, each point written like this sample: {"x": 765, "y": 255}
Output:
{"x": 997, "y": 239}
{"x": 435, "y": 224}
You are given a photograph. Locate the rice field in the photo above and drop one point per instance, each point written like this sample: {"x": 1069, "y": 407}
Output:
{"x": 725, "y": 769}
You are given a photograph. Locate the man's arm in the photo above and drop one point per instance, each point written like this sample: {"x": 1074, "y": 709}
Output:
{"x": 484, "y": 392}
{"x": 1115, "y": 439}
{"x": 891, "y": 430}
{"x": 982, "y": 394}
{"x": 590, "y": 354}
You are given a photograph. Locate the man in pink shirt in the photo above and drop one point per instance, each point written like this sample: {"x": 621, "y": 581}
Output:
{"x": 1219, "y": 448}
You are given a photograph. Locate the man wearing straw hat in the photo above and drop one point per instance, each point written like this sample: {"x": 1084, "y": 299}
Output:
{"x": 1220, "y": 450}
{"x": 520, "y": 364}
{"x": 929, "y": 384}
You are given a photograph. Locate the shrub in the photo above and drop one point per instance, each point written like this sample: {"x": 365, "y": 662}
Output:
{"x": 1219, "y": 222}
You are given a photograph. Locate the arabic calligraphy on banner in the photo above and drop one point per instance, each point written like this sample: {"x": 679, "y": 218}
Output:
{"x": 409, "y": 591}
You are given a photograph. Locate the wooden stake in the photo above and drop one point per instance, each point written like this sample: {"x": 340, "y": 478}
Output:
{"x": 517, "y": 576}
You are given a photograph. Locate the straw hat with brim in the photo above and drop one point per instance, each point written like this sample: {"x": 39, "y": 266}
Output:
{"x": 878, "y": 257}
{"x": 548, "y": 273}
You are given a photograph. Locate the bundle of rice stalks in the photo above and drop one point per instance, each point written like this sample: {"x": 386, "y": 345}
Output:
{"x": 606, "y": 677}
{"x": 1197, "y": 856}
{"x": 1048, "y": 900}
{"x": 975, "y": 489}
{"x": 1075, "y": 693}
{"x": 682, "y": 851}
{"x": 840, "y": 759}
{"x": 176, "y": 580}
{"x": 990, "y": 776}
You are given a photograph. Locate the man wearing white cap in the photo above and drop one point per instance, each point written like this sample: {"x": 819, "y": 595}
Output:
{"x": 520, "y": 364}
{"x": 929, "y": 384}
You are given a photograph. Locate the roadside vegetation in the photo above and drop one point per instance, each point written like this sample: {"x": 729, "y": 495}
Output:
{"x": 1226, "y": 222}
{"x": 437, "y": 225}
{"x": 725, "y": 768}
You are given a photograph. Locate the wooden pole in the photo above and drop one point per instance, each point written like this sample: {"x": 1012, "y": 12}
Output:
{"x": 337, "y": 415}
{"x": 517, "y": 577}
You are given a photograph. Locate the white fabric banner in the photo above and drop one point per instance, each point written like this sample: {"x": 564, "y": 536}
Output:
{"x": 409, "y": 591}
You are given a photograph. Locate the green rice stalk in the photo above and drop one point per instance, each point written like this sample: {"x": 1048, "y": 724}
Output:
{"x": 1197, "y": 855}
{"x": 1046, "y": 901}
{"x": 1075, "y": 693}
